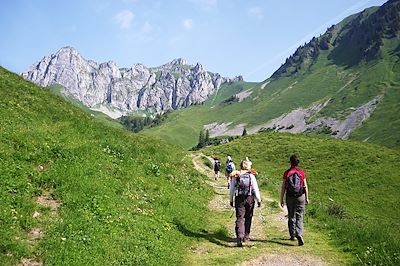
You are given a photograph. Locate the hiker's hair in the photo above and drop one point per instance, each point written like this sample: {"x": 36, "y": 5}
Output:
{"x": 294, "y": 161}
{"x": 245, "y": 165}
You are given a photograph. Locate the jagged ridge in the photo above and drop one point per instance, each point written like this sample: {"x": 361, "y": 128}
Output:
{"x": 174, "y": 85}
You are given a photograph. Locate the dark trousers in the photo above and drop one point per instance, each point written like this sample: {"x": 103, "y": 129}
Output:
{"x": 244, "y": 206}
{"x": 295, "y": 206}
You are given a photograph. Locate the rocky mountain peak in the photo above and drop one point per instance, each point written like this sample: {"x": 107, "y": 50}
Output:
{"x": 198, "y": 68}
{"x": 67, "y": 50}
{"x": 174, "y": 85}
{"x": 179, "y": 61}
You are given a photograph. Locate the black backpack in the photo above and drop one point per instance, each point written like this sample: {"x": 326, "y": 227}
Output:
{"x": 295, "y": 184}
{"x": 217, "y": 165}
{"x": 243, "y": 185}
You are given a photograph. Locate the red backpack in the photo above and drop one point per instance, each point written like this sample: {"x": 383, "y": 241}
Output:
{"x": 295, "y": 183}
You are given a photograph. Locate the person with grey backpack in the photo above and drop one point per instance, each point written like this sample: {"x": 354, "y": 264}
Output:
{"x": 243, "y": 193}
{"x": 294, "y": 185}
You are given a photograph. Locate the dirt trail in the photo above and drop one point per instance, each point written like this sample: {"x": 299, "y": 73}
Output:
{"x": 45, "y": 200}
{"x": 264, "y": 221}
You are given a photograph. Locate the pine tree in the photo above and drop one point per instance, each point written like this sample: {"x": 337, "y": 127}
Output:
{"x": 207, "y": 137}
{"x": 202, "y": 140}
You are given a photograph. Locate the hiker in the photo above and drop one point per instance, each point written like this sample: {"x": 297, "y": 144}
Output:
{"x": 294, "y": 185}
{"x": 230, "y": 167}
{"x": 217, "y": 168}
{"x": 243, "y": 193}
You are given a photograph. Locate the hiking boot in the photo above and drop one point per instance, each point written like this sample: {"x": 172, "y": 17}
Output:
{"x": 292, "y": 238}
{"x": 239, "y": 242}
{"x": 300, "y": 240}
{"x": 246, "y": 239}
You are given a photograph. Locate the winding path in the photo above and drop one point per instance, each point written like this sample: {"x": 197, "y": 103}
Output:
{"x": 264, "y": 249}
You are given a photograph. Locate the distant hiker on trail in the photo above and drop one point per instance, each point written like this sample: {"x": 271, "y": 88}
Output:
{"x": 230, "y": 167}
{"x": 217, "y": 168}
{"x": 243, "y": 192}
{"x": 295, "y": 186}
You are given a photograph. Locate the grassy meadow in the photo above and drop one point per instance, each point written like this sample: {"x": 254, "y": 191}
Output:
{"x": 353, "y": 188}
{"x": 341, "y": 87}
{"x": 123, "y": 198}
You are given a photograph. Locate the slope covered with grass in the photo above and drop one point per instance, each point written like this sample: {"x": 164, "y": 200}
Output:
{"x": 353, "y": 188}
{"x": 342, "y": 89}
{"x": 120, "y": 195}
{"x": 182, "y": 127}
{"x": 323, "y": 72}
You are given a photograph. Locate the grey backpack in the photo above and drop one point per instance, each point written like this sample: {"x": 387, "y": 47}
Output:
{"x": 243, "y": 184}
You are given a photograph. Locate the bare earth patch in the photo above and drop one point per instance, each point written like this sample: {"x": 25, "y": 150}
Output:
{"x": 284, "y": 260}
{"x": 37, "y": 233}
{"x": 30, "y": 262}
{"x": 48, "y": 201}
{"x": 265, "y": 84}
{"x": 244, "y": 94}
{"x": 223, "y": 129}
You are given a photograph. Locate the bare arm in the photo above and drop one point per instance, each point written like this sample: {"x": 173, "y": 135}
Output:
{"x": 283, "y": 189}
{"x": 306, "y": 191}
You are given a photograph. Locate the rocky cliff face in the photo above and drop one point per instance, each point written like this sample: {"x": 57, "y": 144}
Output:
{"x": 174, "y": 85}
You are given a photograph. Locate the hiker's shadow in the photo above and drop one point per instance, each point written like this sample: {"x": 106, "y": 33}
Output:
{"x": 279, "y": 241}
{"x": 219, "y": 237}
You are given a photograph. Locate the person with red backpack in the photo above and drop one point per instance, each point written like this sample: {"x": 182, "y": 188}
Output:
{"x": 243, "y": 192}
{"x": 294, "y": 185}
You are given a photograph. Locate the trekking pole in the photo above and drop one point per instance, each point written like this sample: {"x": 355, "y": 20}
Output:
{"x": 232, "y": 213}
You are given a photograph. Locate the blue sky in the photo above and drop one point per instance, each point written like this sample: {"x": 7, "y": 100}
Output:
{"x": 232, "y": 37}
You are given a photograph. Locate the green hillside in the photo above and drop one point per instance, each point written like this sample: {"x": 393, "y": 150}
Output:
{"x": 74, "y": 191}
{"x": 325, "y": 70}
{"x": 353, "y": 188}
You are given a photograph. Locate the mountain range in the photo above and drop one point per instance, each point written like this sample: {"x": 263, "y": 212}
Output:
{"x": 116, "y": 91}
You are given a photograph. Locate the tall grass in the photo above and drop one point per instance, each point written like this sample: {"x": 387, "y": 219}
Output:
{"x": 353, "y": 188}
{"x": 122, "y": 195}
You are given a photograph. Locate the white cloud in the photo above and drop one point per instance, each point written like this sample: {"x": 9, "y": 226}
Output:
{"x": 256, "y": 12}
{"x": 187, "y": 23}
{"x": 124, "y": 18}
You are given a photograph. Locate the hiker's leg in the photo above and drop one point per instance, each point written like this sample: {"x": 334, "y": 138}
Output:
{"x": 240, "y": 212}
{"x": 248, "y": 216}
{"x": 291, "y": 205}
{"x": 300, "y": 214}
